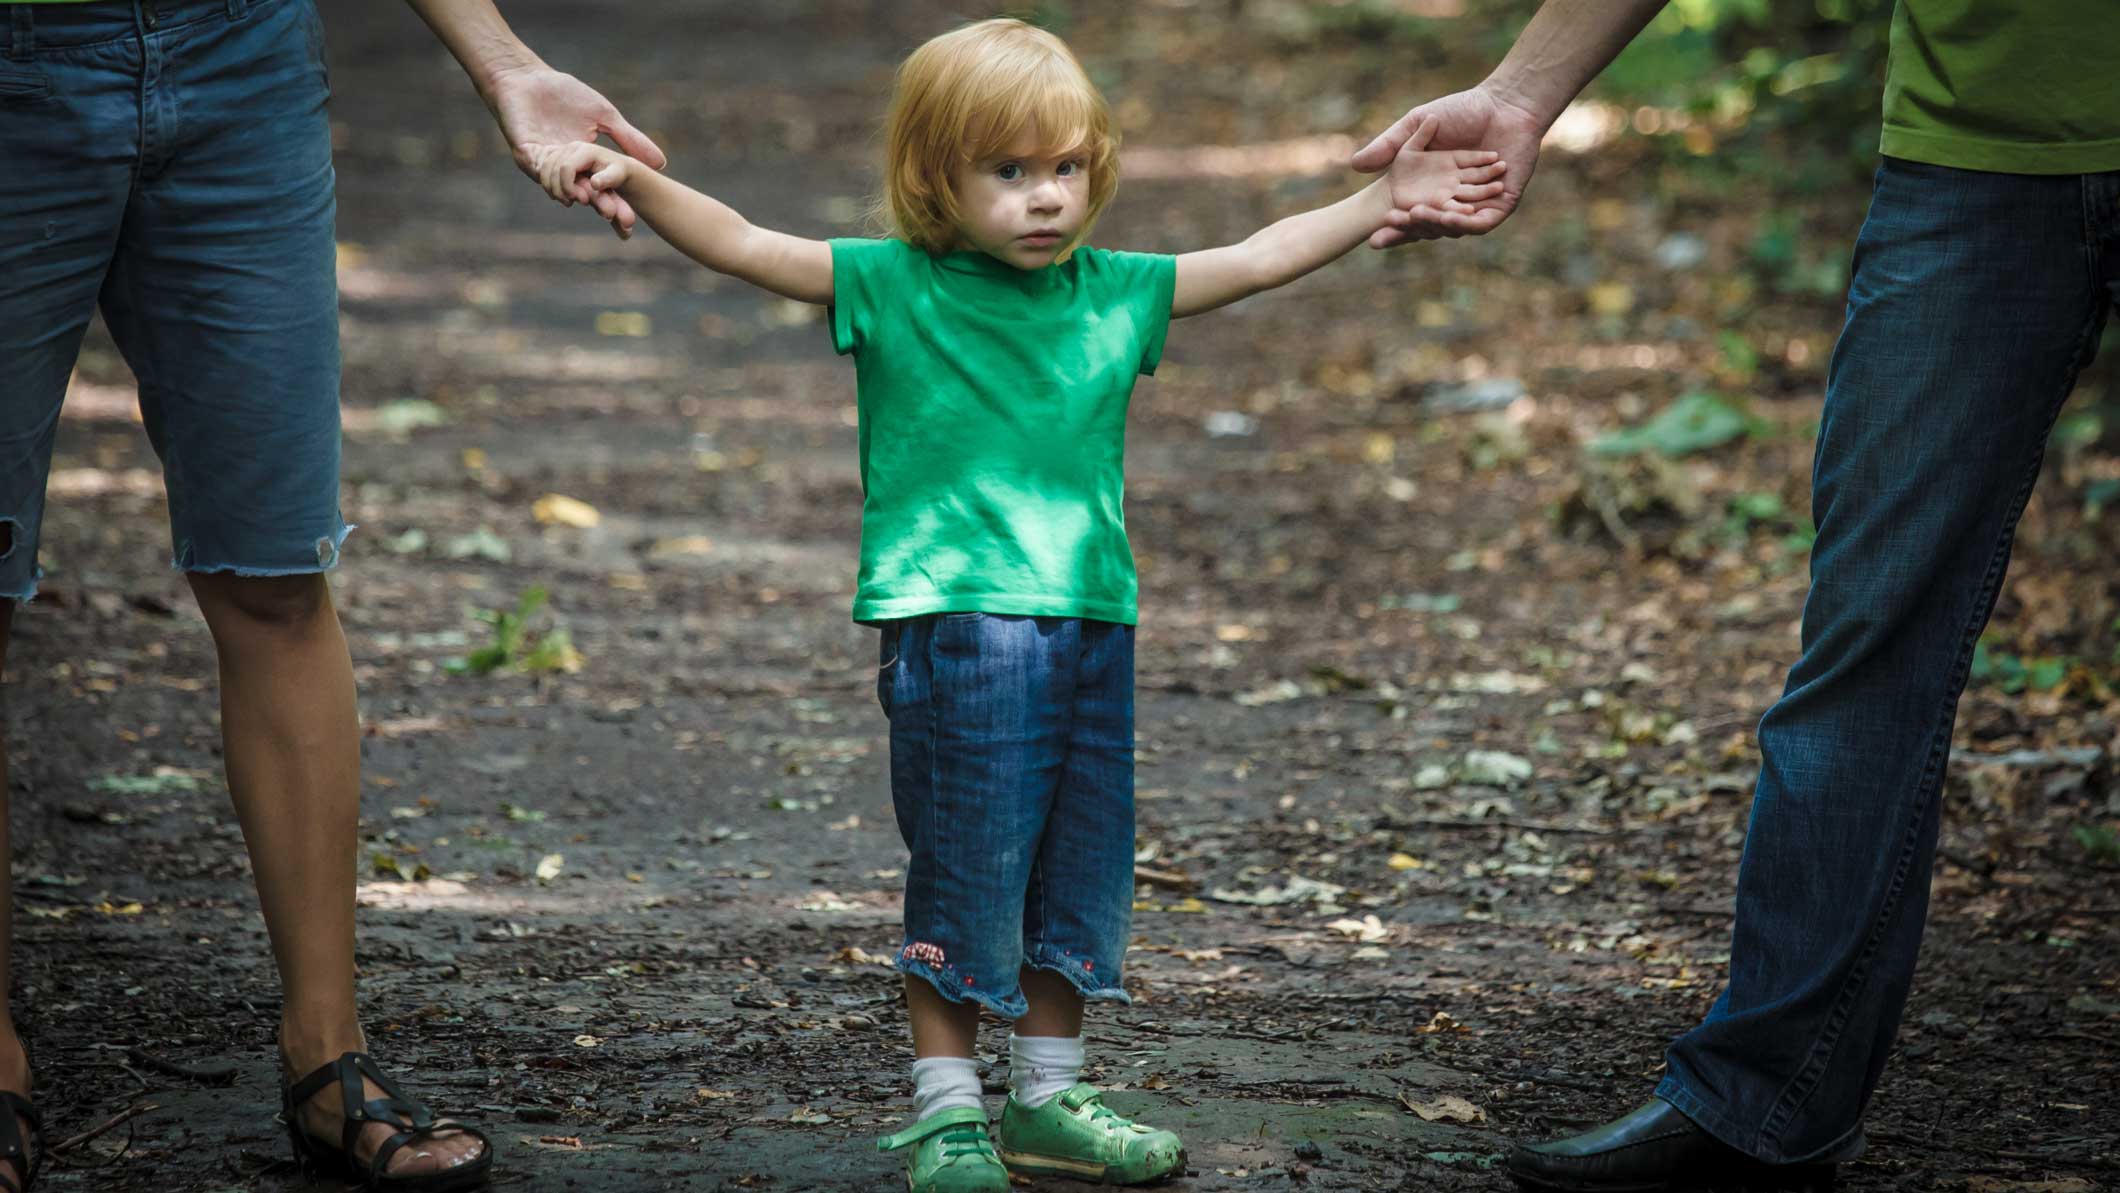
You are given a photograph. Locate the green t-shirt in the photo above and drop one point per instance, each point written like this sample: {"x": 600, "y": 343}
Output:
{"x": 993, "y": 425}
{"x": 2012, "y": 86}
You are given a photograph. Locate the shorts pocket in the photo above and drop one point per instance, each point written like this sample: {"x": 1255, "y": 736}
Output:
{"x": 23, "y": 87}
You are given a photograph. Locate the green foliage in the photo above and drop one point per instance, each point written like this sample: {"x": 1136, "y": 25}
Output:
{"x": 2101, "y": 842}
{"x": 1779, "y": 259}
{"x": 2014, "y": 673}
{"x": 1694, "y": 423}
{"x": 1799, "y": 80}
{"x": 516, "y": 645}
{"x": 2098, "y": 495}
{"x": 1740, "y": 360}
{"x": 1749, "y": 511}
{"x": 1373, "y": 21}
{"x": 1056, "y": 15}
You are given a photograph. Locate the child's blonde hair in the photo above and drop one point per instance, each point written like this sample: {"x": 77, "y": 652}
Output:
{"x": 972, "y": 92}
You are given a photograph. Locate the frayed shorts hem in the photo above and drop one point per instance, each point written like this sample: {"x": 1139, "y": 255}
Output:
{"x": 328, "y": 552}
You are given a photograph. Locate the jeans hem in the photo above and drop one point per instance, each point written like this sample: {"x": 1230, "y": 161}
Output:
{"x": 946, "y": 983}
{"x": 1088, "y": 984}
{"x": 1705, "y": 1116}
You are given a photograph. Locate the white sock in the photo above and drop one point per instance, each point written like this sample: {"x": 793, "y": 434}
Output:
{"x": 945, "y": 1083}
{"x": 1041, "y": 1068}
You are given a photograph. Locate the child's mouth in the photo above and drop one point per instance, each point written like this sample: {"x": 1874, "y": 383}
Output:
{"x": 1040, "y": 240}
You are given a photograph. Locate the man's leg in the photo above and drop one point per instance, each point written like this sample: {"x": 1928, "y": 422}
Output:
{"x": 291, "y": 744}
{"x": 68, "y": 136}
{"x": 14, "y": 1063}
{"x": 222, "y": 297}
{"x": 1974, "y": 302}
{"x": 1973, "y": 307}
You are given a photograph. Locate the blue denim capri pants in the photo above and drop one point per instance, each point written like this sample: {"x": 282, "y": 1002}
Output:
{"x": 1012, "y": 774}
{"x": 169, "y": 161}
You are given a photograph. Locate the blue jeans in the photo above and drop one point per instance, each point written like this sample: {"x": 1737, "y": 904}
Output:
{"x": 1012, "y": 773}
{"x": 1976, "y": 299}
{"x": 172, "y": 164}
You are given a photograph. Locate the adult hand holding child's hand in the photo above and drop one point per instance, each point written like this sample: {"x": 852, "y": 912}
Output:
{"x": 1441, "y": 182}
{"x": 542, "y": 110}
{"x": 586, "y": 173}
{"x": 1477, "y": 118}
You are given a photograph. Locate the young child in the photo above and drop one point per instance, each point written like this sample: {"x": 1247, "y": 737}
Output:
{"x": 995, "y": 354}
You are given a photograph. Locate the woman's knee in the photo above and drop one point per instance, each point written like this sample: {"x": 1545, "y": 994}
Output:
{"x": 270, "y": 602}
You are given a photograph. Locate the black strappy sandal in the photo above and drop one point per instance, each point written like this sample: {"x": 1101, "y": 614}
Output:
{"x": 412, "y": 1121}
{"x": 15, "y": 1150}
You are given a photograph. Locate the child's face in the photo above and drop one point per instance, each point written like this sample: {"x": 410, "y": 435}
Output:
{"x": 1022, "y": 205}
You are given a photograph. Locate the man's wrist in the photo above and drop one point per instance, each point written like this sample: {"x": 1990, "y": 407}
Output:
{"x": 493, "y": 74}
{"x": 1513, "y": 95}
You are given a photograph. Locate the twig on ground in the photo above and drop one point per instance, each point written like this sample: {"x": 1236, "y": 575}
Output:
{"x": 115, "y": 1121}
{"x": 1169, "y": 880}
{"x": 216, "y": 1073}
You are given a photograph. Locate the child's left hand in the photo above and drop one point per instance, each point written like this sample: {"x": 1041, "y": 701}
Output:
{"x": 575, "y": 173}
{"x": 1446, "y": 180}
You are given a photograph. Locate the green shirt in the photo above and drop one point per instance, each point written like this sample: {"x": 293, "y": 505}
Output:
{"x": 993, "y": 425}
{"x": 2012, "y": 86}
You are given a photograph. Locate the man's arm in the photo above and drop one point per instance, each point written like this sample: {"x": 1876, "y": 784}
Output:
{"x": 1567, "y": 44}
{"x": 539, "y": 109}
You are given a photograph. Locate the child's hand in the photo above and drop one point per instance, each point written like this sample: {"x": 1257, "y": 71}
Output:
{"x": 576, "y": 173}
{"x": 1453, "y": 180}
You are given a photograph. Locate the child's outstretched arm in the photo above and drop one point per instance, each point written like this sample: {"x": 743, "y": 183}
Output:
{"x": 704, "y": 229}
{"x": 1282, "y": 252}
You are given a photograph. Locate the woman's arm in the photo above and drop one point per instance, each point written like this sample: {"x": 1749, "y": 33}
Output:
{"x": 1284, "y": 251}
{"x": 702, "y": 228}
{"x": 538, "y": 108}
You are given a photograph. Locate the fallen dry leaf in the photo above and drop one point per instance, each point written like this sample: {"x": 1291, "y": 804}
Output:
{"x": 1447, "y": 1109}
{"x": 558, "y": 509}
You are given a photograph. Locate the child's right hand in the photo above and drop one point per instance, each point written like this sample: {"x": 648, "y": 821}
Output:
{"x": 1424, "y": 182}
{"x": 575, "y": 173}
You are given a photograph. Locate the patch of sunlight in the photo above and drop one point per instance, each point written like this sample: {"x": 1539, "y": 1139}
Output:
{"x": 445, "y": 894}
{"x": 1586, "y": 125}
{"x": 102, "y": 482}
{"x": 1268, "y": 159}
{"x": 88, "y": 402}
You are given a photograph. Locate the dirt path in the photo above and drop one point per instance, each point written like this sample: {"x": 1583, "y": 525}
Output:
{"x": 630, "y": 917}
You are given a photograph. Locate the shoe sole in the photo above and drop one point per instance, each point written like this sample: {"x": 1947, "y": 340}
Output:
{"x": 1797, "y": 1180}
{"x": 1035, "y": 1165}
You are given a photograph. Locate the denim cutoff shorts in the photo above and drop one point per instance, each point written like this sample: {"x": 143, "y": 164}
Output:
{"x": 1012, "y": 774}
{"x": 170, "y": 163}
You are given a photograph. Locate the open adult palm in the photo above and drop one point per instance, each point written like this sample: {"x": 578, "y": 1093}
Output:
{"x": 1470, "y": 119}
{"x": 542, "y": 110}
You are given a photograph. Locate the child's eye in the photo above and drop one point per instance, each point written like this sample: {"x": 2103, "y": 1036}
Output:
{"x": 1010, "y": 172}
{"x": 1067, "y": 168}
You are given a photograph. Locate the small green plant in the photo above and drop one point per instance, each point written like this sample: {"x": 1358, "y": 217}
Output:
{"x": 516, "y": 646}
{"x": 1696, "y": 422}
{"x": 2101, "y": 842}
{"x": 1753, "y": 511}
{"x": 2014, "y": 673}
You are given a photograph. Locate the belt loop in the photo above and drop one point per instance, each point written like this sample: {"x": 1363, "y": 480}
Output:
{"x": 236, "y": 9}
{"x": 22, "y": 41}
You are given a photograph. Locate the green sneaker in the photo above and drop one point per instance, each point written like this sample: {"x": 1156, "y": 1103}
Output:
{"x": 1077, "y": 1135}
{"x": 949, "y": 1153}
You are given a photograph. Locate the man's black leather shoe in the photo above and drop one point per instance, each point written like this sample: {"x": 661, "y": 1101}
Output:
{"x": 1658, "y": 1150}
